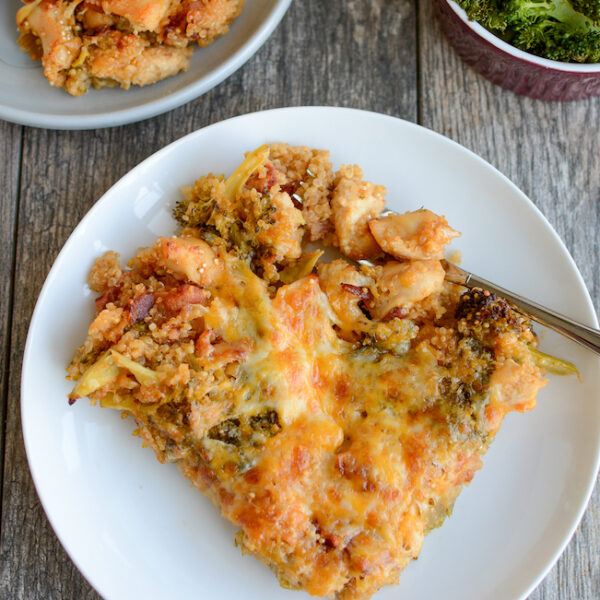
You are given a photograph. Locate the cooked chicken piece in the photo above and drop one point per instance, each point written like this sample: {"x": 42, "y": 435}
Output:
{"x": 143, "y": 15}
{"x": 510, "y": 388}
{"x": 50, "y": 26}
{"x": 345, "y": 288}
{"x": 420, "y": 234}
{"x": 354, "y": 203}
{"x": 126, "y": 59}
{"x": 94, "y": 19}
{"x": 189, "y": 257}
{"x": 209, "y": 19}
{"x": 110, "y": 324}
{"x": 404, "y": 283}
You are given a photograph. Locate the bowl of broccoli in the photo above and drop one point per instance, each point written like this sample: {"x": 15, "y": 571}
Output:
{"x": 545, "y": 49}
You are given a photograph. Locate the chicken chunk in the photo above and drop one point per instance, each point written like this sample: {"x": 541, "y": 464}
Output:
{"x": 209, "y": 19}
{"x": 190, "y": 258}
{"x": 354, "y": 203}
{"x": 402, "y": 284}
{"x": 511, "y": 388}
{"x": 345, "y": 287}
{"x": 120, "y": 58}
{"x": 141, "y": 14}
{"x": 48, "y": 32}
{"x": 420, "y": 234}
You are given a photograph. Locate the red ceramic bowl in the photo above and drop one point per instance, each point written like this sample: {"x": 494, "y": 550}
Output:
{"x": 511, "y": 68}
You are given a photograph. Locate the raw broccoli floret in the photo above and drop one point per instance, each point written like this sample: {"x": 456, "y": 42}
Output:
{"x": 549, "y": 28}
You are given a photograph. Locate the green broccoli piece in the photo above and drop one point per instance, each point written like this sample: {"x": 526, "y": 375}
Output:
{"x": 549, "y": 28}
{"x": 589, "y": 8}
{"x": 488, "y": 13}
{"x": 554, "y": 30}
{"x": 555, "y": 45}
{"x": 193, "y": 213}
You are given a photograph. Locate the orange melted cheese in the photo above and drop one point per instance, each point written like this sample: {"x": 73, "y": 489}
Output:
{"x": 334, "y": 419}
{"x": 337, "y": 502}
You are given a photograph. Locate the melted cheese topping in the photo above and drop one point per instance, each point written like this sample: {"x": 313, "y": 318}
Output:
{"x": 333, "y": 459}
{"x": 334, "y": 416}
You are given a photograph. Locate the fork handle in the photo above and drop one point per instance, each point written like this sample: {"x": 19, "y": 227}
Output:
{"x": 578, "y": 332}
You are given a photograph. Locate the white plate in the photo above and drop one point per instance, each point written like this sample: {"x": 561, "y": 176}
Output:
{"x": 136, "y": 529}
{"x": 26, "y": 97}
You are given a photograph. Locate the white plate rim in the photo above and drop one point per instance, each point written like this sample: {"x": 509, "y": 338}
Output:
{"x": 154, "y": 107}
{"x": 306, "y": 112}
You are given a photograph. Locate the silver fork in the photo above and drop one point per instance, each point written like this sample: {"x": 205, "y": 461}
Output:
{"x": 578, "y": 332}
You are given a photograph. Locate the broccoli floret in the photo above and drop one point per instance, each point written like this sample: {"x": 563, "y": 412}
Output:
{"x": 252, "y": 431}
{"x": 267, "y": 423}
{"x": 193, "y": 214}
{"x": 483, "y": 316}
{"x": 590, "y": 8}
{"x": 488, "y": 13}
{"x": 556, "y": 45}
{"x": 228, "y": 432}
{"x": 553, "y": 29}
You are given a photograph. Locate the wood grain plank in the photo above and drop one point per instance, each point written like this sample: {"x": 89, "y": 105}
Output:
{"x": 10, "y": 158}
{"x": 338, "y": 52}
{"x": 550, "y": 151}
{"x": 54, "y": 195}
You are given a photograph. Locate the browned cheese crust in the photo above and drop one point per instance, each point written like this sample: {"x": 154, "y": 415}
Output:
{"x": 332, "y": 412}
{"x": 119, "y": 42}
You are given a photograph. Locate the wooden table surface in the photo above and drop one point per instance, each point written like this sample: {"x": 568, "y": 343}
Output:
{"x": 382, "y": 55}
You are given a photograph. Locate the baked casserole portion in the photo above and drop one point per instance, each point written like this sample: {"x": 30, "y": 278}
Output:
{"x": 119, "y": 42}
{"x": 331, "y": 410}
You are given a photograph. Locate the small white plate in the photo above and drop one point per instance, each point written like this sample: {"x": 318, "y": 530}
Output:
{"x": 136, "y": 529}
{"x": 26, "y": 97}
